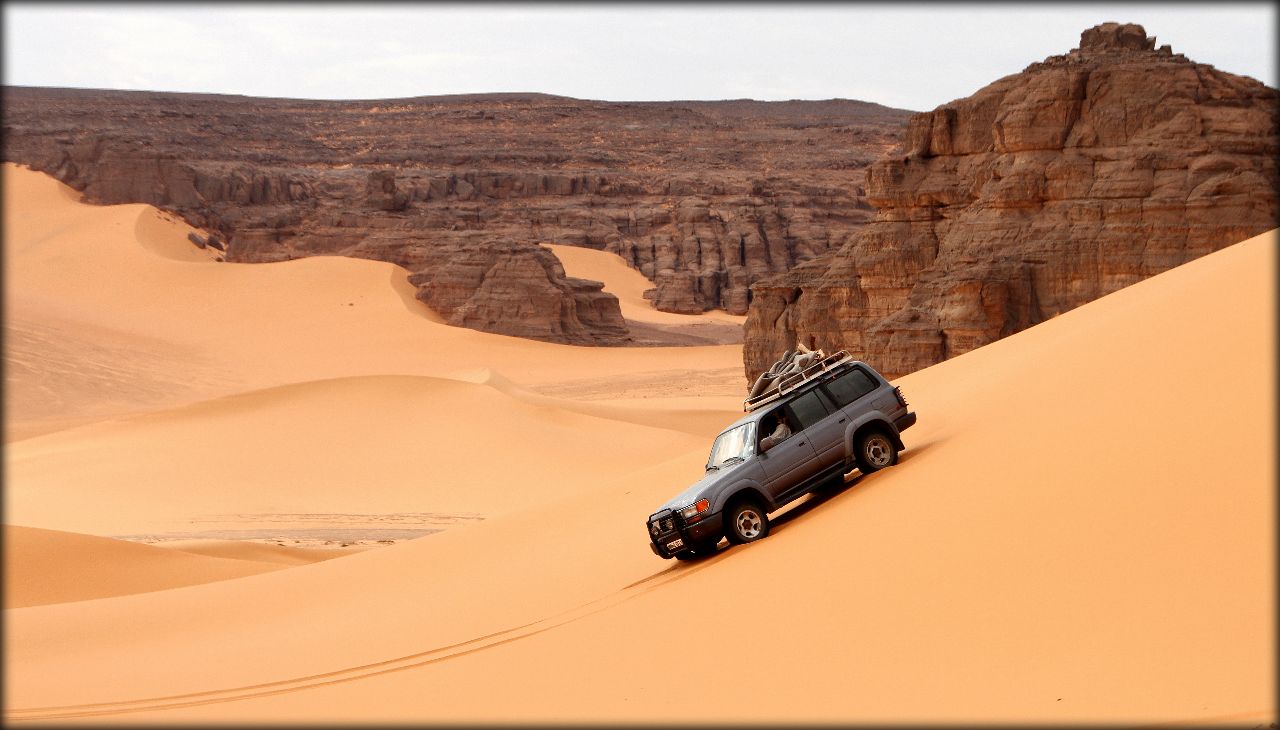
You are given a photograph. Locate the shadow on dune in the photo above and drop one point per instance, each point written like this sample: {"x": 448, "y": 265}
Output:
{"x": 854, "y": 482}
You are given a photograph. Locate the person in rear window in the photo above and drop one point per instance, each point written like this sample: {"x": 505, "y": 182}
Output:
{"x": 780, "y": 434}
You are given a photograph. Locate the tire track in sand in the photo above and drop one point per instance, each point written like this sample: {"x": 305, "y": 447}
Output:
{"x": 350, "y": 674}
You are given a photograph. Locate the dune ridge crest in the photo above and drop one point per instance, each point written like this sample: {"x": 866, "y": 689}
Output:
{"x": 84, "y": 349}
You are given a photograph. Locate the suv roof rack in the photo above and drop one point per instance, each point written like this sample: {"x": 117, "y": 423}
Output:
{"x": 791, "y": 381}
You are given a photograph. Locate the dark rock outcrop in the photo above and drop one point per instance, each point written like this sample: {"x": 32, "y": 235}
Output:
{"x": 704, "y": 198}
{"x": 1043, "y": 191}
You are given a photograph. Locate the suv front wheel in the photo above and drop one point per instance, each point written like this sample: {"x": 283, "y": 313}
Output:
{"x": 746, "y": 521}
{"x": 876, "y": 450}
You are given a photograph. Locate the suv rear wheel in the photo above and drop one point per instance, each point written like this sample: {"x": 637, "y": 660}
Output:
{"x": 876, "y": 450}
{"x": 746, "y": 521}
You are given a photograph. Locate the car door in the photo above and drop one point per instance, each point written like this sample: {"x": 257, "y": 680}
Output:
{"x": 787, "y": 463}
{"x": 825, "y": 424}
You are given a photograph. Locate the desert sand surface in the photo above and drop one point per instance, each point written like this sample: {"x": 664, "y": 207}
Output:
{"x": 646, "y": 323}
{"x": 1079, "y": 531}
{"x": 628, "y": 285}
{"x": 49, "y": 566}
{"x": 257, "y": 552}
{"x": 111, "y": 311}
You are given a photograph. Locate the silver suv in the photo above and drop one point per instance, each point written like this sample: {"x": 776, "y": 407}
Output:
{"x": 840, "y": 414}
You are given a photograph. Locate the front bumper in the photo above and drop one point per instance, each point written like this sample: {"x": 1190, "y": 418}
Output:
{"x": 665, "y": 544}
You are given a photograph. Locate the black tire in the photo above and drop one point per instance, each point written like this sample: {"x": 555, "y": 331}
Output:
{"x": 876, "y": 450}
{"x": 744, "y": 522}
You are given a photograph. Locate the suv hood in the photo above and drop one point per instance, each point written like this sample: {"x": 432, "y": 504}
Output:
{"x": 710, "y": 479}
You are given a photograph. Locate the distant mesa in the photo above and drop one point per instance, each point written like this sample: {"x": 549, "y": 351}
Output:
{"x": 1044, "y": 190}
{"x": 904, "y": 238}
{"x": 702, "y": 197}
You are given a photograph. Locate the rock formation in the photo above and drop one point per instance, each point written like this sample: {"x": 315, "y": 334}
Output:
{"x": 1044, "y": 190}
{"x": 704, "y": 198}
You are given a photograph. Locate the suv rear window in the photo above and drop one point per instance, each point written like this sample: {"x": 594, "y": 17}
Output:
{"x": 851, "y": 386}
{"x": 808, "y": 409}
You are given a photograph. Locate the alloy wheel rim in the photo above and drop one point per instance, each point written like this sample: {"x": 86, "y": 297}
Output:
{"x": 878, "y": 452}
{"x": 749, "y": 523}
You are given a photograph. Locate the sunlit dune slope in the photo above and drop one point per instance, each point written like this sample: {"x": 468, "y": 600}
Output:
{"x": 49, "y": 566}
{"x": 377, "y": 445}
{"x": 628, "y": 285}
{"x": 111, "y": 311}
{"x": 703, "y": 416}
{"x": 260, "y": 552}
{"x": 1080, "y": 531}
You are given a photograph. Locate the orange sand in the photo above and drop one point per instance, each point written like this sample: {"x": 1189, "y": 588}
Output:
{"x": 107, "y": 315}
{"x": 1079, "y": 531}
{"x": 48, "y": 566}
{"x": 628, "y": 285}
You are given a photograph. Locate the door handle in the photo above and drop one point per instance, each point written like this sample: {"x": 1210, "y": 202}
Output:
{"x": 800, "y": 444}
{"x": 842, "y": 420}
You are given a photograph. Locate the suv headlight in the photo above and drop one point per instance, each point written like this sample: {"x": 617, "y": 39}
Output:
{"x": 692, "y": 512}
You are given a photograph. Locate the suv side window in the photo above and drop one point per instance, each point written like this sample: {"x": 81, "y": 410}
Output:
{"x": 767, "y": 425}
{"x": 808, "y": 409}
{"x": 851, "y": 386}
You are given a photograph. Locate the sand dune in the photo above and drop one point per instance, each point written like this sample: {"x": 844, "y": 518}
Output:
{"x": 1077, "y": 533}
{"x": 629, "y": 285}
{"x": 48, "y": 566}
{"x": 109, "y": 316}
{"x": 395, "y": 445}
{"x": 702, "y": 416}
{"x": 258, "y": 552}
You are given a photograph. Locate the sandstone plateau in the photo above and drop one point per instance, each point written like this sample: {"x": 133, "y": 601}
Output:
{"x": 703, "y": 198}
{"x": 1049, "y": 188}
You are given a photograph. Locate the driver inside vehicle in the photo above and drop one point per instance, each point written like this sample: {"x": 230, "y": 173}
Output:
{"x": 780, "y": 433}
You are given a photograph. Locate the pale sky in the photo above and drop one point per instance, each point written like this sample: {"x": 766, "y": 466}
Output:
{"x": 912, "y": 56}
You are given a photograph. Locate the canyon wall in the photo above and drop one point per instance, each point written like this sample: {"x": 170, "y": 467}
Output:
{"x": 1047, "y": 189}
{"x": 704, "y": 198}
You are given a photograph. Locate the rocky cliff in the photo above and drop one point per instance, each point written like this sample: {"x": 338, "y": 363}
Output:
{"x": 704, "y": 198}
{"x": 1047, "y": 189}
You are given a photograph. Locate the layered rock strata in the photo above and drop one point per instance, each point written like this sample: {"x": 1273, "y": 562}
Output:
{"x": 1047, "y": 189}
{"x": 704, "y": 198}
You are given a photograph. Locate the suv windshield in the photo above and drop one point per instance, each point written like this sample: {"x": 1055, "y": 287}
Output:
{"x": 732, "y": 444}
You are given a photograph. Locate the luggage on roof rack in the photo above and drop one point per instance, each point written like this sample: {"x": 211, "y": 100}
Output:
{"x": 792, "y": 370}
